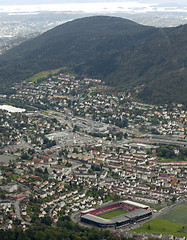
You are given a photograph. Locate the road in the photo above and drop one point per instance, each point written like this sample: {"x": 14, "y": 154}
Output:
{"x": 17, "y": 208}
{"x": 18, "y": 213}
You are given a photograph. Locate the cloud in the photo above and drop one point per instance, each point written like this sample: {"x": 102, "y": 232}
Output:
{"x": 96, "y": 7}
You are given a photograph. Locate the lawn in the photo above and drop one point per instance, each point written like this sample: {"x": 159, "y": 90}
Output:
{"x": 178, "y": 214}
{"x": 112, "y": 214}
{"x": 164, "y": 159}
{"x": 164, "y": 227}
{"x": 43, "y": 74}
{"x": 15, "y": 176}
{"x": 155, "y": 206}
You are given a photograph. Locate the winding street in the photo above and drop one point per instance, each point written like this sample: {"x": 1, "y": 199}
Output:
{"x": 18, "y": 213}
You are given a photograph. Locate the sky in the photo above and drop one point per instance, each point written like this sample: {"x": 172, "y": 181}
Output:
{"x": 91, "y": 6}
{"x": 24, "y": 2}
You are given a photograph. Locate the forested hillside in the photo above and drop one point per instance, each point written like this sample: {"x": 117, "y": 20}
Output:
{"x": 120, "y": 52}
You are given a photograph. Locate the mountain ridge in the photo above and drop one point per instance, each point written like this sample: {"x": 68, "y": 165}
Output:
{"x": 119, "y": 51}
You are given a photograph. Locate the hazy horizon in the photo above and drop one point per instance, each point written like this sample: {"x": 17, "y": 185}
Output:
{"x": 44, "y": 2}
{"x": 91, "y": 6}
{"x": 28, "y": 2}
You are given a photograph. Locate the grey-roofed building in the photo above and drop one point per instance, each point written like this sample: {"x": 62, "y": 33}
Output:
{"x": 120, "y": 220}
{"x": 104, "y": 223}
{"x": 11, "y": 187}
{"x": 6, "y": 158}
{"x": 95, "y": 220}
{"x": 5, "y": 203}
{"x": 138, "y": 215}
{"x": 124, "y": 219}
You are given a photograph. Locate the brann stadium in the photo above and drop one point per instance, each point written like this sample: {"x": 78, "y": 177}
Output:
{"x": 135, "y": 212}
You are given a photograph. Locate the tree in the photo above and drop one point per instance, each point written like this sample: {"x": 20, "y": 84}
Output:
{"x": 24, "y": 156}
{"x": 46, "y": 220}
{"x": 173, "y": 200}
{"x": 75, "y": 150}
{"x": 76, "y": 128}
{"x": 39, "y": 235}
{"x": 148, "y": 227}
{"x": 7, "y": 235}
{"x": 31, "y": 151}
{"x": 46, "y": 171}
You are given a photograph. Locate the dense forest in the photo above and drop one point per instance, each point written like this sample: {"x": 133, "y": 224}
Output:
{"x": 122, "y": 53}
{"x": 171, "y": 153}
{"x": 65, "y": 230}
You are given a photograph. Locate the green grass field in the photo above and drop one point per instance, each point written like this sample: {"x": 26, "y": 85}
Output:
{"x": 163, "y": 159}
{"x": 178, "y": 214}
{"x": 112, "y": 214}
{"x": 164, "y": 227}
{"x": 43, "y": 74}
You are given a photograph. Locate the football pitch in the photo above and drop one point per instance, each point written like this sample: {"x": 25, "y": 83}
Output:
{"x": 163, "y": 227}
{"x": 114, "y": 213}
{"x": 178, "y": 214}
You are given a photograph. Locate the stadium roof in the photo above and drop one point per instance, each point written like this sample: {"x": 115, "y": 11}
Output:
{"x": 100, "y": 220}
{"x": 136, "y": 204}
{"x": 96, "y": 219}
{"x": 137, "y": 213}
{"x": 120, "y": 218}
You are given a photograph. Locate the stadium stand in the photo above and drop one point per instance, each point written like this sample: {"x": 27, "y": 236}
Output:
{"x": 136, "y": 212}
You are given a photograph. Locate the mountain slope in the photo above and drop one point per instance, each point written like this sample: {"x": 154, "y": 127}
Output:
{"x": 121, "y": 52}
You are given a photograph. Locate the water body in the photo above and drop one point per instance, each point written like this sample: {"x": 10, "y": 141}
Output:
{"x": 12, "y": 109}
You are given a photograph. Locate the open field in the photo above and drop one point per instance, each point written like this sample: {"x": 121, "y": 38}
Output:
{"x": 43, "y": 74}
{"x": 112, "y": 214}
{"x": 178, "y": 214}
{"x": 163, "y": 227}
{"x": 164, "y": 159}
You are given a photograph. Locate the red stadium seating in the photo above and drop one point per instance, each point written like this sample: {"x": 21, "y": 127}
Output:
{"x": 113, "y": 207}
{"x": 105, "y": 209}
